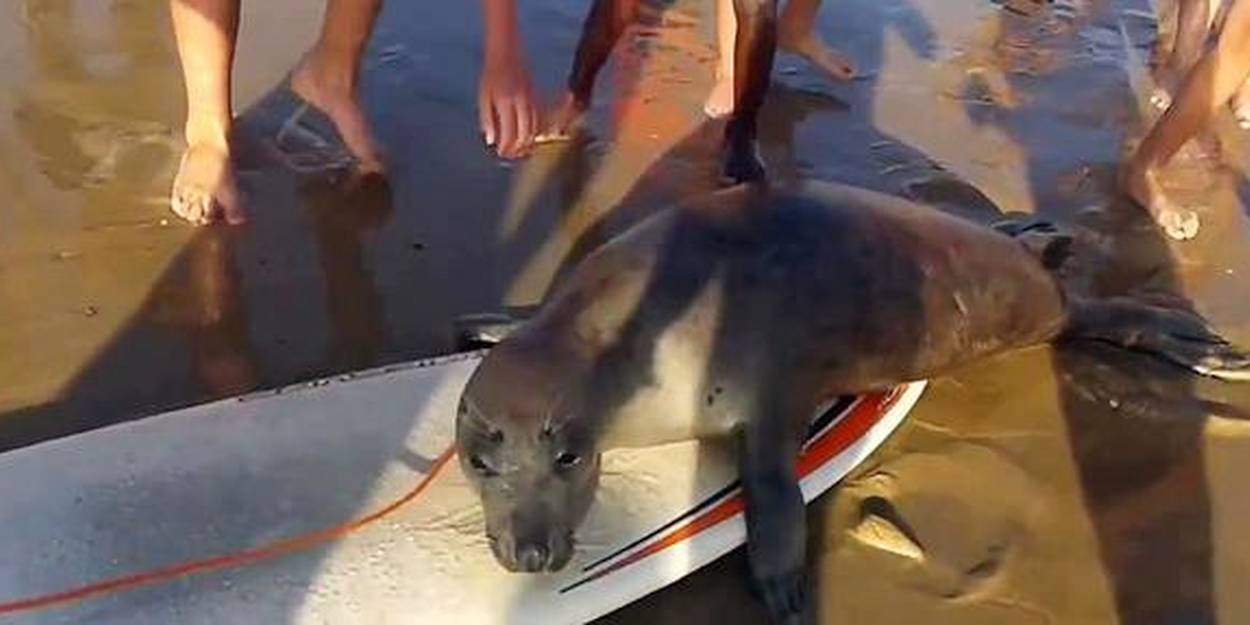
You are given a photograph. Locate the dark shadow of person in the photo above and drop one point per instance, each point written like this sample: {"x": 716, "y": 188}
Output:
{"x": 200, "y": 299}
{"x": 342, "y": 218}
{"x": 1135, "y": 426}
{"x": 194, "y": 338}
{"x": 1136, "y": 433}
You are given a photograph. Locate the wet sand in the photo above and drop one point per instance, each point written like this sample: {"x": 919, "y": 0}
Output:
{"x": 1044, "y": 487}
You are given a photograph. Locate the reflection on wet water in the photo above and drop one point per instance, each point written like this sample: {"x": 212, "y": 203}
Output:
{"x": 212, "y": 314}
{"x": 343, "y": 223}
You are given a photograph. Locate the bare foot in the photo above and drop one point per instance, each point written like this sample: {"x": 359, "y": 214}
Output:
{"x": 565, "y": 121}
{"x": 833, "y": 63}
{"x": 1167, "y": 81}
{"x": 1140, "y": 184}
{"x": 720, "y": 101}
{"x": 1240, "y": 104}
{"x": 336, "y": 97}
{"x": 204, "y": 189}
{"x": 1161, "y": 99}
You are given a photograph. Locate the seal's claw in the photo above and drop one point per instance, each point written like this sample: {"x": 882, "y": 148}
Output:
{"x": 784, "y": 596}
{"x": 1017, "y": 224}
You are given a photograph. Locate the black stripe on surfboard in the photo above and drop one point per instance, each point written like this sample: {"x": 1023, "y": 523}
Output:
{"x": 710, "y": 501}
{"x": 835, "y": 411}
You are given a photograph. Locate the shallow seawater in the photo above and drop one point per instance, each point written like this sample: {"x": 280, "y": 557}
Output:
{"x": 1074, "y": 486}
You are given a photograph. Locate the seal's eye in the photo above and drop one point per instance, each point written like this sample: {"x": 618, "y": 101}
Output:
{"x": 567, "y": 460}
{"x": 481, "y": 467}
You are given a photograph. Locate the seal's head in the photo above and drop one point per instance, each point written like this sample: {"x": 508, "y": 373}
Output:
{"x": 531, "y": 457}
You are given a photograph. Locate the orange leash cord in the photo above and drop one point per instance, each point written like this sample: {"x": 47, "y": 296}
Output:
{"x": 263, "y": 552}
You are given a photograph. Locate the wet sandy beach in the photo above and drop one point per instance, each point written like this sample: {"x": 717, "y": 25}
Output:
{"x": 1074, "y": 487}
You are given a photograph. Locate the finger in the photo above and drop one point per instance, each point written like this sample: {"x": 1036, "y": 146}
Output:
{"x": 178, "y": 203}
{"x": 210, "y": 210}
{"x": 507, "y": 130}
{"x": 536, "y": 121}
{"x": 541, "y": 119}
{"x": 525, "y": 126}
{"x": 486, "y": 118}
{"x": 196, "y": 209}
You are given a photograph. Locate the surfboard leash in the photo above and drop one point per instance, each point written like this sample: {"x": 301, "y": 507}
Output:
{"x": 265, "y": 551}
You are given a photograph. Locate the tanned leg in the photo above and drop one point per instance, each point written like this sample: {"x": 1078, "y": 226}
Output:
{"x": 204, "y": 189}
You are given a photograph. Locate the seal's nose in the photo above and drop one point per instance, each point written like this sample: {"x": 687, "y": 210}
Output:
{"x": 533, "y": 557}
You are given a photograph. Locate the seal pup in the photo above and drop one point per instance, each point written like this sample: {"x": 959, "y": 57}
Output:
{"x": 738, "y": 315}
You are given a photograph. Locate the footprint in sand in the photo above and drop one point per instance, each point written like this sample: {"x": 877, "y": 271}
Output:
{"x": 950, "y": 520}
{"x": 880, "y": 526}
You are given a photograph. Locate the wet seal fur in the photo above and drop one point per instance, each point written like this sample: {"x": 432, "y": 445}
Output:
{"x": 738, "y": 315}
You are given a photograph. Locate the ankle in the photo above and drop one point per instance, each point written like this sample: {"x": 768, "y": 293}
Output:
{"x": 333, "y": 72}
{"x": 211, "y": 131}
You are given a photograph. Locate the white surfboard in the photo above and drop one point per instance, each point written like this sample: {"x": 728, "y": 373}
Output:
{"x": 337, "y": 502}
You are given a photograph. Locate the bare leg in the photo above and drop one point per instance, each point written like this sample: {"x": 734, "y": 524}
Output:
{"x": 1193, "y": 25}
{"x": 754, "y": 47}
{"x": 1205, "y": 89}
{"x": 796, "y": 33}
{"x": 329, "y": 73}
{"x": 204, "y": 188}
{"x": 720, "y": 102}
{"x": 604, "y": 25}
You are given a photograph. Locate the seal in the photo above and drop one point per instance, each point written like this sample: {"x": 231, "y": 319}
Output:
{"x": 738, "y": 315}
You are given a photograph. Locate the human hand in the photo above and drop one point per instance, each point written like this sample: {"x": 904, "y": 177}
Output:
{"x": 506, "y": 107}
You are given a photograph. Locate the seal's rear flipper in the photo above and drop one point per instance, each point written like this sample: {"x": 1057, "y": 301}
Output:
{"x": 1139, "y": 386}
{"x": 484, "y": 330}
{"x": 1179, "y": 336}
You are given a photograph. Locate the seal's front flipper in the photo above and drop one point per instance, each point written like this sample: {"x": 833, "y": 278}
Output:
{"x": 484, "y": 330}
{"x": 1040, "y": 237}
{"x": 776, "y": 528}
{"x": 1175, "y": 335}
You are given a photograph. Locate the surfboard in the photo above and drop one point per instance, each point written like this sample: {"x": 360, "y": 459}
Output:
{"x": 339, "y": 501}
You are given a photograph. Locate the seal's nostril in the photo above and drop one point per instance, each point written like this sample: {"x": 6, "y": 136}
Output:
{"x": 532, "y": 558}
